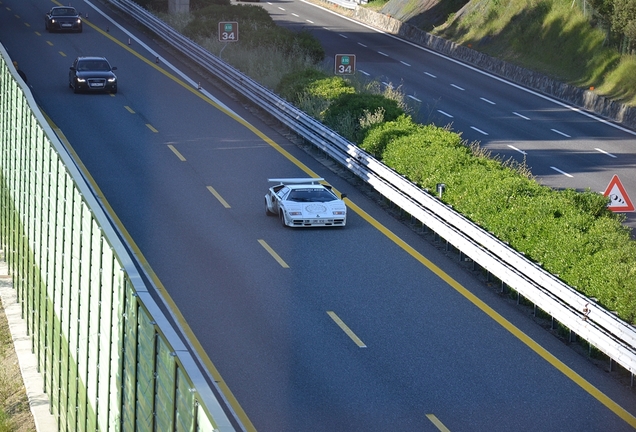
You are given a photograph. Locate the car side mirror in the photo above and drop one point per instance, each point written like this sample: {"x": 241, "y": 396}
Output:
{"x": 113, "y": 68}
{"x": 72, "y": 68}
{"x": 343, "y": 196}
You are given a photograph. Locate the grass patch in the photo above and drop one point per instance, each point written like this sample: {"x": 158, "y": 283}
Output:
{"x": 15, "y": 414}
{"x": 546, "y": 36}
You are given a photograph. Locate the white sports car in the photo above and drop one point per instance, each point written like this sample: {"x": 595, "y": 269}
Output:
{"x": 304, "y": 202}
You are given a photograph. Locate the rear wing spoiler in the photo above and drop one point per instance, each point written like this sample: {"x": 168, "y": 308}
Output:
{"x": 296, "y": 180}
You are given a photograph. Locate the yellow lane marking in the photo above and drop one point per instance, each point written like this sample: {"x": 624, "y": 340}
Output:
{"x": 129, "y": 109}
{"x": 438, "y": 424}
{"x": 151, "y": 128}
{"x": 219, "y": 197}
{"x": 175, "y": 151}
{"x": 62, "y": 54}
{"x": 601, "y": 397}
{"x": 273, "y": 254}
{"x": 346, "y": 329}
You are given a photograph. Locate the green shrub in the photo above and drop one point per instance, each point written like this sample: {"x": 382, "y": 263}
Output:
{"x": 312, "y": 90}
{"x": 346, "y": 112}
{"x": 380, "y": 135}
{"x": 309, "y": 44}
{"x": 296, "y": 83}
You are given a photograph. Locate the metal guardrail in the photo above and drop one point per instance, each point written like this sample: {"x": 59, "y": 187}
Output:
{"x": 599, "y": 327}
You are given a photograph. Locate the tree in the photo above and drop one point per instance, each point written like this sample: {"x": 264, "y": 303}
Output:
{"x": 624, "y": 21}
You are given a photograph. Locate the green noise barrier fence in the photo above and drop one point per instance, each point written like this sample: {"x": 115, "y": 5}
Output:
{"x": 109, "y": 357}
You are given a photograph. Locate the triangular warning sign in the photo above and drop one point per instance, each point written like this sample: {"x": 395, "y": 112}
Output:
{"x": 619, "y": 201}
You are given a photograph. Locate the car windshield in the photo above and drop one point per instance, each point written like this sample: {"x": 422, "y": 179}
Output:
{"x": 64, "y": 12}
{"x": 93, "y": 65}
{"x": 311, "y": 195}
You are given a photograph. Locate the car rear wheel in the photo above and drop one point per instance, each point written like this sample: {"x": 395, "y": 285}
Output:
{"x": 267, "y": 211}
{"x": 282, "y": 219}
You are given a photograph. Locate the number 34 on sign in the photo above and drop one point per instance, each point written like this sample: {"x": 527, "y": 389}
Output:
{"x": 619, "y": 201}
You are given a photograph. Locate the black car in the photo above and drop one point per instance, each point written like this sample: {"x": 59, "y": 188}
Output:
{"x": 92, "y": 74}
{"x": 62, "y": 18}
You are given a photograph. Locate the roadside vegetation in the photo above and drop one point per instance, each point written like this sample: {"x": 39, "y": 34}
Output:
{"x": 15, "y": 413}
{"x": 552, "y": 37}
{"x": 570, "y": 233}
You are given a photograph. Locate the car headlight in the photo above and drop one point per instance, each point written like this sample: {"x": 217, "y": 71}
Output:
{"x": 81, "y": 79}
{"x": 112, "y": 80}
{"x": 339, "y": 212}
{"x": 53, "y": 21}
{"x": 294, "y": 213}
{"x": 79, "y": 21}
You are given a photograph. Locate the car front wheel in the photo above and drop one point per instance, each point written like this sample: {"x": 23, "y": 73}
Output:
{"x": 282, "y": 219}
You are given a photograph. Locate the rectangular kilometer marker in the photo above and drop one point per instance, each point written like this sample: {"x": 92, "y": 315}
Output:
{"x": 346, "y": 329}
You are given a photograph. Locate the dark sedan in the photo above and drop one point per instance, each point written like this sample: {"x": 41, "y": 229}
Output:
{"x": 92, "y": 74}
{"x": 63, "y": 18}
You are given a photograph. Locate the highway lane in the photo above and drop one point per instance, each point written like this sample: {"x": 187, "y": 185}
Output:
{"x": 564, "y": 147}
{"x": 431, "y": 350}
